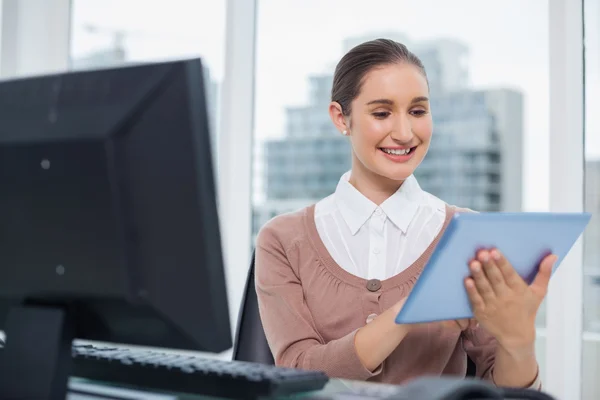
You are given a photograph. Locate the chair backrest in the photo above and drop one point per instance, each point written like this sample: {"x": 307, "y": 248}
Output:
{"x": 250, "y": 342}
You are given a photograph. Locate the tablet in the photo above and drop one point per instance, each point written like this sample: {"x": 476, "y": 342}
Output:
{"x": 523, "y": 238}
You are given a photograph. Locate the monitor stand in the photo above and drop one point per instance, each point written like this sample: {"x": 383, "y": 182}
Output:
{"x": 36, "y": 360}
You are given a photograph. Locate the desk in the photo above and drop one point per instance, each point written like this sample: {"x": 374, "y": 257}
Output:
{"x": 336, "y": 389}
{"x": 80, "y": 389}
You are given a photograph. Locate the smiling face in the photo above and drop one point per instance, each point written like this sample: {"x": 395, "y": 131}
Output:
{"x": 390, "y": 124}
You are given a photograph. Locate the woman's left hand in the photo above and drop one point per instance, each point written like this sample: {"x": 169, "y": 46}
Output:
{"x": 503, "y": 303}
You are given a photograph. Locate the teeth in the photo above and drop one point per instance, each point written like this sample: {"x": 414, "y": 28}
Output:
{"x": 397, "y": 152}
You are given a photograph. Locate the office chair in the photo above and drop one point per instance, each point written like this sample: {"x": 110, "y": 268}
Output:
{"x": 250, "y": 343}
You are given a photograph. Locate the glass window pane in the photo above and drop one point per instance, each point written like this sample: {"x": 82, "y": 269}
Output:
{"x": 116, "y": 32}
{"x": 591, "y": 245}
{"x": 489, "y": 90}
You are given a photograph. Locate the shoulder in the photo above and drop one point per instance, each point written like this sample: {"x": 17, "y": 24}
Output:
{"x": 438, "y": 204}
{"x": 432, "y": 202}
{"x": 325, "y": 206}
{"x": 280, "y": 245}
{"x": 463, "y": 210}
{"x": 283, "y": 230}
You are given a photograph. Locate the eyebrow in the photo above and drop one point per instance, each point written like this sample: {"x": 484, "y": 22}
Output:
{"x": 388, "y": 102}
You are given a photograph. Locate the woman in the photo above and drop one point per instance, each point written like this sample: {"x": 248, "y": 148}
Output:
{"x": 331, "y": 278}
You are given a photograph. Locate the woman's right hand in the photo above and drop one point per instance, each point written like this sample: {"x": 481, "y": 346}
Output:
{"x": 375, "y": 341}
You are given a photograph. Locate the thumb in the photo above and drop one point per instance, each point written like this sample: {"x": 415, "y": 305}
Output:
{"x": 542, "y": 278}
{"x": 473, "y": 323}
{"x": 398, "y": 306}
{"x": 463, "y": 323}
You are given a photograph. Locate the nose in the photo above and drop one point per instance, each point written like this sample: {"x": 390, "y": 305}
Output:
{"x": 402, "y": 132}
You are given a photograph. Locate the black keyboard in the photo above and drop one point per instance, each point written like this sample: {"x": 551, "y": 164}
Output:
{"x": 169, "y": 372}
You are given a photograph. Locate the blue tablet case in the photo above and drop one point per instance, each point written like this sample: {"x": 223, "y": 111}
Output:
{"x": 523, "y": 238}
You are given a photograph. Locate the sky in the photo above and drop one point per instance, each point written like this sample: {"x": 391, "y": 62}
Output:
{"x": 507, "y": 39}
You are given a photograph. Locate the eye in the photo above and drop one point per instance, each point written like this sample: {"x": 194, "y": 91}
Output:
{"x": 418, "y": 113}
{"x": 381, "y": 114}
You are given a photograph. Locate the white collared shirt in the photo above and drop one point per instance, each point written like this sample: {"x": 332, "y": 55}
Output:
{"x": 378, "y": 242}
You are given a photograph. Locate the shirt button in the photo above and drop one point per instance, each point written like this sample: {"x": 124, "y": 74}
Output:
{"x": 376, "y": 251}
{"x": 373, "y": 285}
{"x": 371, "y": 317}
{"x": 378, "y": 211}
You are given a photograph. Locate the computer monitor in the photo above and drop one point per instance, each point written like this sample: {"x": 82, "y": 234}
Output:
{"x": 108, "y": 218}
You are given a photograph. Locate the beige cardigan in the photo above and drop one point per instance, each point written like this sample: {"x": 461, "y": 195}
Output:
{"x": 311, "y": 308}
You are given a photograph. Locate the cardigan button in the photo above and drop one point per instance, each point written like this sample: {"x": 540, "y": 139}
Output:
{"x": 374, "y": 285}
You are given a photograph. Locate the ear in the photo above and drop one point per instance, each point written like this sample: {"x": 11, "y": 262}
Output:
{"x": 337, "y": 117}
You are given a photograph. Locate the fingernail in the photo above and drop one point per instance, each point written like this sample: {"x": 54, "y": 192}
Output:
{"x": 475, "y": 267}
{"x": 484, "y": 257}
{"x": 496, "y": 254}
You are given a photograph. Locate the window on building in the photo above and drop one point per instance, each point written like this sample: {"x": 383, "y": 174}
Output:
{"x": 117, "y": 32}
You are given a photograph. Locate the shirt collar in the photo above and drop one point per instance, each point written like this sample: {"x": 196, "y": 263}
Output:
{"x": 402, "y": 206}
{"x": 356, "y": 209}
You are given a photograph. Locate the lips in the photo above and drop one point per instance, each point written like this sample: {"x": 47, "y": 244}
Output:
{"x": 398, "y": 151}
{"x": 398, "y": 155}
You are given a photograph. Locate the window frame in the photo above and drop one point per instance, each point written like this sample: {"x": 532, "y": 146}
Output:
{"x": 564, "y": 316}
{"x": 35, "y": 37}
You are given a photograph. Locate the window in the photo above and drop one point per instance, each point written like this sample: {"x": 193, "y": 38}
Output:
{"x": 107, "y": 33}
{"x": 591, "y": 246}
{"x": 115, "y": 32}
{"x": 481, "y": 98}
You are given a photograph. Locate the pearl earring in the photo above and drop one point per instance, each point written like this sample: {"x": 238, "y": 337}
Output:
{"x": 345, "y": 133}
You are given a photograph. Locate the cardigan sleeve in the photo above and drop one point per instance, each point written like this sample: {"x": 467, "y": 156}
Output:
{"x": 287, "y": 322}
{"x": 481, "y": 347}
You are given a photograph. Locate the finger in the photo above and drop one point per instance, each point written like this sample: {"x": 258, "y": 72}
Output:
{"x": 476, "y": 300}
{"x": 542, "y": 278}
{"x": 492, "y": 272}
{"x": 473, "y": 324}
{"x": 511, "y": 277}
{"x": 483, "y": 286}
{"x": 398, "y": 306}
{"x": 450, "y": 324}
{"x": 462, "y": 324}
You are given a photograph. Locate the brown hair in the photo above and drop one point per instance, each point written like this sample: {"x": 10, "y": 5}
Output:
{"x": 354, "y": 65}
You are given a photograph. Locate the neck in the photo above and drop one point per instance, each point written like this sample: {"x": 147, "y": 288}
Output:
{"x": 374, "y": 187}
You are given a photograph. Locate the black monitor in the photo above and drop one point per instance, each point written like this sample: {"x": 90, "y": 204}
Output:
{"x": 108, "y": 218}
